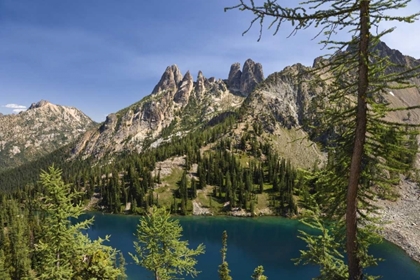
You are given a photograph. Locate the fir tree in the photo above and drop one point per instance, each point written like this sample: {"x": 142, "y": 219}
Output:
{"x": 357, "y": 77}
{"x": 259, "y": 274}
{"x": 159, "y": 248}
{"x": 224, "y": 267}
{"x": 63, "y": 251}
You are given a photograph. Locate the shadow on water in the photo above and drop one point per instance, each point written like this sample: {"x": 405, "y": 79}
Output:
{"x": 269, "y": 241}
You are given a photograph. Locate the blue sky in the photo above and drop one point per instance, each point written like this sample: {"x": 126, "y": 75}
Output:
{"x": 101, "y": 55}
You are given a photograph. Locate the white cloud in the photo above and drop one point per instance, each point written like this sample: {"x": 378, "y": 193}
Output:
{"x": 15, "y": 106}
{"x": 18, "y": 110}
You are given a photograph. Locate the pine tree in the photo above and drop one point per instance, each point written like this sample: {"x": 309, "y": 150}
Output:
{"x": 159, "y": 248}
{"x": 357, "y": 77}
{"x": 63, "y": 251}
{"x": 121, "y": 266}
{"x": 259, "y": 274}
{"x": 14, "y": 240}
{"x": 3, "y": 271}
{"x": 224, "y": 267}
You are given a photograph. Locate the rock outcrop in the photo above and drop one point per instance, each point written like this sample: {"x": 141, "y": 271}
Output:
{"x": 176, "y": 105}
{"x": 169, "y": 80}
{"x": 39, "y": 104}
{"x": 201, "y": 84}
{"x": 183, "y": 94}
{"x": 246, "y": 80}
{"x": 283, "y": 99}
{"x": 234, "y": 79}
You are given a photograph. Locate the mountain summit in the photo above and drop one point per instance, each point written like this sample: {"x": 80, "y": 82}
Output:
{"x": 281, "y": 103}
{"x": 245, "y": 81}
{"x": 38, "y": 131}
{"x": 39, "y": 104}
{"x": 177, "y": 104}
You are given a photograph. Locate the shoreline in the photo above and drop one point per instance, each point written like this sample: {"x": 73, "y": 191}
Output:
{"x": 401, "y": 218}
{"x": 412, "y": 249}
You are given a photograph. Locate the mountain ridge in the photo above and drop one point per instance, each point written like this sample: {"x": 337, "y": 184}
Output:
{"x": 177, "y": 103}
{"x": 41, "y": 129}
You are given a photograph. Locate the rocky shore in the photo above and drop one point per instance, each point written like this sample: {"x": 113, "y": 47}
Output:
{"x": 402, "y": 219}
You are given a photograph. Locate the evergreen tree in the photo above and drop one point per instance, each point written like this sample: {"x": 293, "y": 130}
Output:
{"x": 63, "y": 251}
{"x": 16, "y": 241}
{"x": 3, "y": 271}
{"x": 259, "y": 274}
{"x": 159, "y": 248}
{"x": 357, "y": 78}
{"x": 224, "y": 267}
{"x": 121, "y": 265}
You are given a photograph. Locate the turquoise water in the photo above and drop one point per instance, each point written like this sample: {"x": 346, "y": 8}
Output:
{"x": 270, "y": 242}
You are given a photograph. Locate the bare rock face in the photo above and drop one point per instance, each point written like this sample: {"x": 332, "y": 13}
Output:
{"x": 246, "y": 80}
{"x": 110, "y": 122}
{"x": 282, "y": 99}
{"x": 185, "y": 88}
{"x": 200, "y": 86}
{"x": 234, "y": 79}
{"x": 152, "y": 114}
{"x": 251, "y": 76}
{"x": 169, "y": 80}
{"x": 39, "y": 104}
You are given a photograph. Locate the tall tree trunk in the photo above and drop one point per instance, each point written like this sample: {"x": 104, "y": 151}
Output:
{"x": 355, "y": 270}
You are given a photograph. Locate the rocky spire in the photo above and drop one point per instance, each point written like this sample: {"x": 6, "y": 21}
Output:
{"x": 169, "y": 80}
{"x": 200, "y": 86}
{"x": 185, "y": 88}
{"x": 245, "y": 81}
{"x": 252, "y": 74}
{"x": 234, "y": 80}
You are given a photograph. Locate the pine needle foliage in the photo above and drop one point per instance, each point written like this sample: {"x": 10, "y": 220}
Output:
{"x": 259, "y": 273}
{"x": 224, "y": 271}
{"x": 366, "y": 150}
{"x": 63, "y": 251}
{"x": 160, "y": 249}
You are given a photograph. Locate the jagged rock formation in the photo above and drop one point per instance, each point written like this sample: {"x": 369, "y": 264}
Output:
{"x": 176, "y": 105}
{"x": 40, "y": 130}
{"x": 283, "y": 98}
{"x": 169, "y": 80}
{"x": 246, "y": 80}
{"x": 183, "y": 94}
{"x": 179, "y": 104}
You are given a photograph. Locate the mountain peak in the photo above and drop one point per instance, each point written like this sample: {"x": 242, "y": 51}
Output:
{"x": 39, "y": 104}
{"x": 185, "y": 88}
{"x": 170, "y": 79}
{"x": 245, "y": 81}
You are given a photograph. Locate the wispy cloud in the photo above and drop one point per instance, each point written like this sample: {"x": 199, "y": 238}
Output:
{"x": 15, "y": 106}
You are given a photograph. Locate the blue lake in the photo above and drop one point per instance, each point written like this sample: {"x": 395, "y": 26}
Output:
{"x": 269, "y": 241}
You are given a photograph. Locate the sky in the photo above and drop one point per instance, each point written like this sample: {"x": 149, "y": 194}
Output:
{"x": 100, "y": 56}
